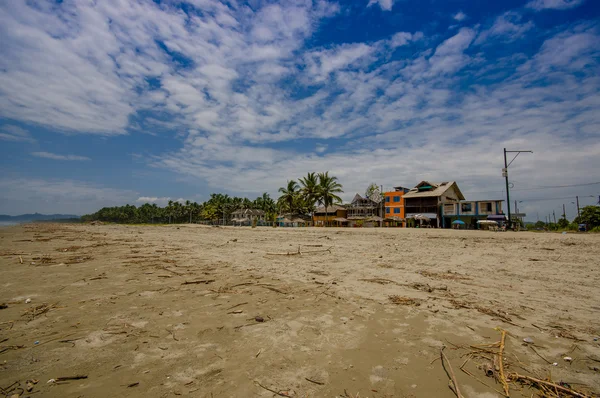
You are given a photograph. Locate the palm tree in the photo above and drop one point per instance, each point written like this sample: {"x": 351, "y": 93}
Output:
{"x": 310, "y": 187}
{"x": 288, "y": 196}
{"x": 328, "y": 188}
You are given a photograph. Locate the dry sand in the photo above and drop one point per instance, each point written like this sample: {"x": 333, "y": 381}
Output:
{"x": 108, "y": 301}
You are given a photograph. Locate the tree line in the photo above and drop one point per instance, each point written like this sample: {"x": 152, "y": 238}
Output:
{"x": 297, "y": 198}
{"x": 589, "y": 215}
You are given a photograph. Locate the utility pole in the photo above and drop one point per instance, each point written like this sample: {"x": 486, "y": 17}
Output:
{"x": 505, "y": 175}
{"x": 554, "y": 214}
{"x": 382, "y": 198}
{"x": 577, "y": 199}
{"x": 564, "y": 212}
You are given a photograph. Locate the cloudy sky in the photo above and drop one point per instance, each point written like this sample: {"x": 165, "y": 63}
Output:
{"x": 126, "y": 101}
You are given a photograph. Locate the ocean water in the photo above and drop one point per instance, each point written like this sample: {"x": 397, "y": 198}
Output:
{"x": 8, "y": 223}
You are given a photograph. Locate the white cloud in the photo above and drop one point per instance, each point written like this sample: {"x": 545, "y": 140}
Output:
{"x": 321, "y": 63}
{"x": 54, "y": 156}
{"x": 460, "y": 16}
{"x": 403, "y": 38}
{"x": 15, "y": 133}
{"x": 573, "y": 49}
{"x": 385, "y": 5}
{"x": 320, "y": 148}
{"x": 554, "y": 4}
{"x": 506, "y": 27}
{"x": 449, "y": 56}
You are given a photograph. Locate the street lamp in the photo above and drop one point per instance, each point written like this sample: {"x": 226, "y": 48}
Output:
{"x": 505, "y": 175}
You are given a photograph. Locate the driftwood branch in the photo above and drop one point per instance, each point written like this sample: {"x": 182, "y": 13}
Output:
{"x": 451, "y": 374}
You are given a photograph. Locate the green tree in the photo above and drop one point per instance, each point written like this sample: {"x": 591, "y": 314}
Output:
{"x": 590, "y": 215}
{"x": 287, "y": 200}
{"x": 540, "y": 224}
{"x": 329, "y": 187}
{"x": 310, "y": 188}
{"x": 563, "y": 223}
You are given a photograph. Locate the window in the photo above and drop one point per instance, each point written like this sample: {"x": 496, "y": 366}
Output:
{"x": 488, "y": 207}
{"x": 387, "y": 199}
{"x": 466, "y": 207}
{"x": 387, "y": 210}
{"x": 396, "y": 198}
{"x": 396, "y": 210}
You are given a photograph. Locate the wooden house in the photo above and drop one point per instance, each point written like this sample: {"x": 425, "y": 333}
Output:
{"x": 425, "y": 201}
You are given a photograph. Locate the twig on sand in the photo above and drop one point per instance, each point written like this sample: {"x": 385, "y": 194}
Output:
{"x": 299, "y": 253}
{"x": 172, "y": 334}
{"x": 320, "y": 383}
{"x": 451, "y": 374}
{"x": 237, "y": 305}
{"x": 76, "y": 377}
{"x": 204, "y": 281}
{"x": 539, "y": 355}
{"x": 54, "y": 339}
{"x": 21, "y": 259}
{"x": 280, "y": 393}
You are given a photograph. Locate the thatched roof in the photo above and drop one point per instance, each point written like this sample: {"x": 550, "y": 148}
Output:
{"x": 330, "y": 209}
{"x": 240, "y": 213}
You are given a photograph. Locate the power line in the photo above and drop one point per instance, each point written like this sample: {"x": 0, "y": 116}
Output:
{"x": 537, "y": 188}
{"x": 565, "y": 198}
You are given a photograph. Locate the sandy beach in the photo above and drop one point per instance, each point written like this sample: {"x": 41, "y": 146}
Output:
{"x": 161, "y": 311}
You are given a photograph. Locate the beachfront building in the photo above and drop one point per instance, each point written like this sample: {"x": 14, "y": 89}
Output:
{"x": 293, "y": 220}
{"x": 364, "y": 212}
{"x": 334, "y": 215}
{"x": 394, "y": 207}
{"x": 423, "y": 203}
{"x": 248, "y": 216}
{"x": 471, "y": 211}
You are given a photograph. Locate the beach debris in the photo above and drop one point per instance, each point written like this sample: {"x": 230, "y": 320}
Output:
{"x": 496, "y": 366}
{"x": 555, "y": 364}
{"x": 259, "y": 319}
{"x": 402, "y": 300}
{"x": 568, "y": 359}
{"x": 28, "y": 301}
{"x": 39, "y": 310}
{"x": 528, "y": 340}
{"x": 135, "y": 384}
{"x": 36, "y": 342}
{"x": 29, "y": 384}
{"x": 3, "y": 306}
{"x": 51, "y": 381}
{"x": 20, "y": 259}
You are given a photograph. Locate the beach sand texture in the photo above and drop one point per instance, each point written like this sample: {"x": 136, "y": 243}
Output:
{"x": 161, "y": 311}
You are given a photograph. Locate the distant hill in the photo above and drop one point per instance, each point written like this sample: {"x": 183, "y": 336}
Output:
{"x": 37, "y": 217}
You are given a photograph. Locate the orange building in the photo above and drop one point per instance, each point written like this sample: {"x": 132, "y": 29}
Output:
{"x": 394, "y": 207}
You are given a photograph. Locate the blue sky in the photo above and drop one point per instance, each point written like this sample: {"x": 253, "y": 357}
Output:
{"x": 112, "y": 102}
